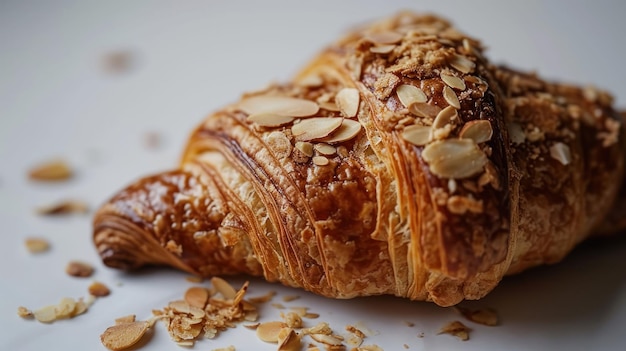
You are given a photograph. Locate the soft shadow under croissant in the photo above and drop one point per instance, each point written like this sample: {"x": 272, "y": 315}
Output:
{"x": 399, "y": 161}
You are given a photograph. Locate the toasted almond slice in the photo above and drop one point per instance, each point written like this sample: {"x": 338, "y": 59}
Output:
{"x": 444, "y": 117}
{"x": 269, "y": 119}
{"x": 65, "y": 308}
{"x": 485, "y": 316}
{"x": 278, "y": 105}
{"x": 329, "y": 106}
{"x": 478, "y": 130}
{"x": 457, "y": 329}
{"x": 417, "y": 135}
{"x": 64, "y": 207}
{"x": 46, "y": 314}
{"x": 323, "y": 149}
{"x": 516, "y": 133}
{"x": 55, "y": 170}
{"x": 181, "y": 306}
{"x": 462, "y": 63}
{"x": 426, "y": 110}
{"x": 123, "y": 336}
{"x": 454, "y": 158}
{"x": 450, "y": 96}
{"x": 315, "y": 128}
{"x": 327, "y": 339}
{"x": 410, "y": 94}
{"x": 561, "y": 152}
{"x": 222, "y": 286}
{"x": 382, "y": 49}
{"x": 79, "y": 269}
{"x": 386, "y": 37}
{"x": 453, "y": 81}
{"x": 37, "y": 245}
{"x": 240, "y": 294}
{"x": 348, "y": 101}
{"x": 310, "y": 315}
{"x": 252, "y": 326}
{"x": 126, "y": 319}
{"x": 269, "y": 331}
{"x": 197, "y": 296}
{"x": 312, "y": 80}
{"x": 346, "y": 131}
{"x": 24, "y": 312}
{"x": 290, "y": 342}
{"x": 305, "y": 147}
{"x": 270, "y": 295}
{"x": 98, "y": 289}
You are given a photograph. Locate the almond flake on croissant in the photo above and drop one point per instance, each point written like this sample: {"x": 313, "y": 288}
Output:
{"x": 399, "y": 161}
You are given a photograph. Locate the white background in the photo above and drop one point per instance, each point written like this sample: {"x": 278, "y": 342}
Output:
{"x": 190, "y": 58}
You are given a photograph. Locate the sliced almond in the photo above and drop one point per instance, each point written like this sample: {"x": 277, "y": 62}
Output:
{"x": 426, "y": 110}
{"x": 197, "y": 296}
{"x": 457, "y": 329}
{"x": 347, "y": 130}
{"x": 278, "y": 105}
{"x": 327, "y": 339}
{"x": 65, "y": 308}
{"x": 450, "y": 96}
{"x": 55, "y": 170}
{"x": 79, "y": 269}
{"x": 290, "y": 342}
{"x": 348, "y": 100}
{"x": 315, "y": 128}
{"x": 382, "y": 49}
{"x": 453, "y": 81}
{"x": 417, "y": 135}
{"x": 64, "y": 207}
{"x": 444, "y": 117}
{"x": 478, "y": 130}
{"x": 329, "y": 106}
{"x": 123, "y": 336}
{"x": 46, "y": 314}
{"x": 98, "y": 289}
{"x": 37, "y": 245}
{"x": 126, "y": 319}
{"x": 385, "y": 37}
{"x": 462, "y": 63}
{"x": 222, "y": 286}
{"x": 410, "y": 94}
{"x": 269, "y": 119}
{"x": 516, "y": 133}
{"x": 454, "y": 158}
{"x": 561, "y": 152}
{"x": 24, "y": 312}
{"x": 312, "y": 80}
{"x": 269, "y": 331}
{"x": 305, "y": 147}
{"x": 485, "y": 316}
{"x": 324, "y": 149}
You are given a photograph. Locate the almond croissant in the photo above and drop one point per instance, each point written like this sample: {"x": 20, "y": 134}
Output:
{"x": 399, "y": 161}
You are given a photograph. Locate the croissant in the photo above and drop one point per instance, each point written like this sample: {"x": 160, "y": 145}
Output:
{"x": 399, "y": 161}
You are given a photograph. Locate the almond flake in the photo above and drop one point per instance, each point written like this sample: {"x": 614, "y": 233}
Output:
{"x": 37, "y": 245}
{"x": 64, "y": 207}
{"x": 417, "y": 135}
{"x": 24, "y": 312}
{"x": 462, "y": 63}
{"x": 323, "y": 149}
{"x": 348, "y": 101}
{"x": 197, "y": 296}
{"x": 123, "y": 336}
{"x": 46, "y": 314}
{"x": 410, "y": 94}
{"x": 65, "y": 308}
{"x": 453, "y": 82}
{"x": 291, "y": 342}
{"x": 269, "y": 119}
{"x": 478, "y": 130}
{"x": 454, "y": 158}
{"x": 305, "y": 147}
{"x": 346, "y": 131}
{"x": 327, "y": 339}
{"x": 222, "y": 286}
{"x": 445, "y": 117}
{"x": 450, "y": 96}
{"x": 278, "y": 105}
{"x": 422, "y": 109}
{"x": 79, "y": 269}
{"x": 269, "y": 331}
{"x": 457, "y": 329}
{"x": 516, "y": 133}
{"x": 312, "y": 80}
{"x": 126, "y": 319}
{"x": 386, "y": 37}
{"x": 561, "y": 152}
{"x": 485, "y": 316}
{"x": 329, "y": 106}
{"x": 320, "y": 160}
{"x": 315, "y": 128}
{"x": 382, "y": 49}
{"x": 98, "y": 289}
{"x": 51, "y": 171}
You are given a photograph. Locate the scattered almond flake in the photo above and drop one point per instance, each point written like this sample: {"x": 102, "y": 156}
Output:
{"x": 224, "y": 288}
{"x": 301, "y": 311}
{"x": 561, "y": 152}
{"x": 484, "y": 316}
{"x": 319, "y": 328}
{"x": 312, "y": 347}
{"x": 197, "y": 296}
{"x": 37, "y": 245}
{"x": 65, "y": 308}
{"x": 405, "y": 346}
{"x": 194, "y": 279}
{"x": 79, "y": 269}
{"x": 228, "y": 348}
{"x": 516, "y": 133}
{"x": 453, "y": 82}
{"x": 348, "y": 100}
{"x": 356, "y": 331}
{"x": 252, "y": 326}
{"x": 382, "y": 49}
{"x": 410, "y": 94}
{"x": 462, "y": 204}
{"x": 444, "y": 117}
{"x": 98, "y": 289}
{"x": 270, "y": 119}
{"x": 454, "y": 158}
{"x": 416, "y": 134}
{"x": 335, "y": 347}
{"x": 46, "y": 314}
{"x": 409, "y": 324}
{"x": 123, "y": 336}
{"x": 462, "y": 63}
{"x": 310, "y": 315}
{"x": 323, "y": 149}
{"x": 262, "y": 299}
{"x": 126, "y": 319}
{"x": 327, "y": 339}
{"x": 478, "y": 130}
{"x": 386, "y": 37}
{"x": 24, "y": 312}
{"x": 450, "y": 96}
{"x": 291, "y": 342}
{"x": 370, "y": 348}
{"x": 269, "y": 331}
{"x": 116, "y": 62}
{"x": 321, "y": 160}
{"x": 278, "y": 105}
{"x": 305, "y": 147}
{"x": 329, "y": 106}
{"x": 346, "y": 131}
{"x": 278, "y": 305}
{"x": 312, "y": 80}
{"x": 315, "y": 128}
{"x": 457, "y": 329}
{"x": 64, "y": 207}
{"x": 55, "y": 170}
{"x": 292, "y": 319}
{"x": 422, "y": 109}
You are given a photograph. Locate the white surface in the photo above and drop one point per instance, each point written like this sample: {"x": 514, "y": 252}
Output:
{"x": 192, "y": 57}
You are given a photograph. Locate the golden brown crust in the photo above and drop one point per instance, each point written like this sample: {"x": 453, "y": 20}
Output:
{"x": 399, "y": 161}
